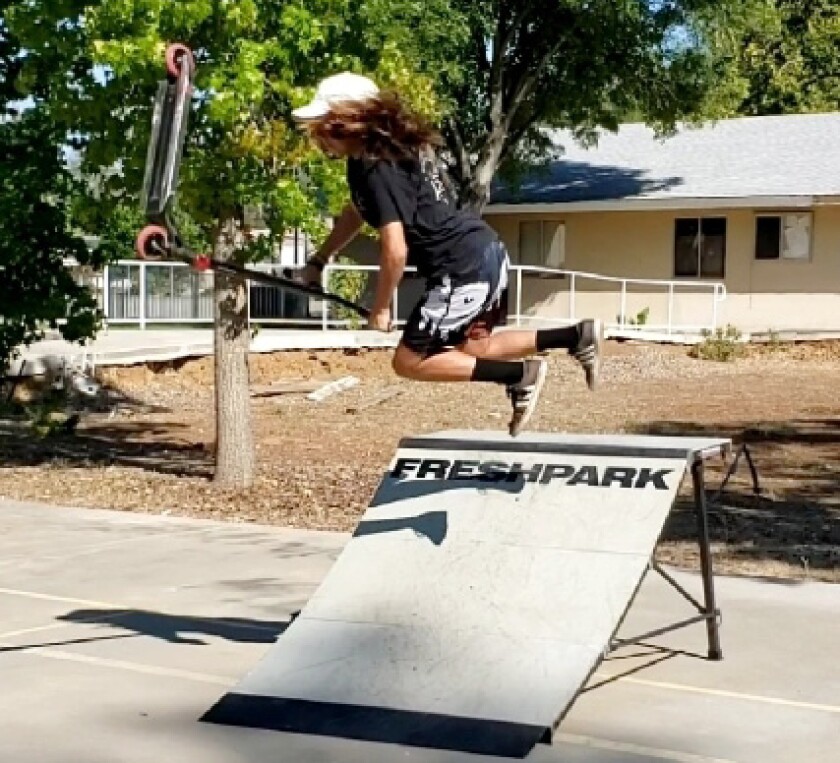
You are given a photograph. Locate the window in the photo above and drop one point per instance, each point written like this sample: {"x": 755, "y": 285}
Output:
{"x": 700, "y": 247}
{"x": 542, "y": 243}
{"x": 783, "y": 236}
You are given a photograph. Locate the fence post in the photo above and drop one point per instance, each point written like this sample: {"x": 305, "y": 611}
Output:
{"x": 106, "y": 292}
{"x": 670, "y": 307}
{"x": 248, "y": 303}
{"x": 142, "y": 316}
{"x": 623, "y": 317}
{"x": 715, "y": 306}
{"x": 572, "y": 297}
{"x": 324, "y": 304}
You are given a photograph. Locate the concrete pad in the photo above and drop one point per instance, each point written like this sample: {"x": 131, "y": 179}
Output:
{"x": 773, "y": 699}
{"x": 118, "y": 347}
{"x": 706, "y": 724}
{"x": 777, "y": 639}
{"x": 162, "y": 563}
{"x": 79, "y": 713}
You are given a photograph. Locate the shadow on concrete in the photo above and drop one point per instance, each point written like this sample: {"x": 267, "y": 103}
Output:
{"x": 66, "y": 642}
{"x": 173, "y": 628}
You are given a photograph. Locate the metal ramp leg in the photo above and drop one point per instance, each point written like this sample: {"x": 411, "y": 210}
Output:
{"x": 710, "y": 610}
{"x": 707, "y": 610}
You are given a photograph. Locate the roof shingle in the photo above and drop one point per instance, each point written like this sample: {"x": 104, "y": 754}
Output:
{"x": 793, "y": 155}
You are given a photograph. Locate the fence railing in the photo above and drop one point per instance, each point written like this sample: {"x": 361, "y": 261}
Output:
{"x": 623, "y": 320}
{"x": 599, "y": 302}
{"x": 150, "y": 293}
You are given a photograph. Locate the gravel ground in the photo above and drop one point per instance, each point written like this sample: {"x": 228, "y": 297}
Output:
{"x": 319, "y": 464}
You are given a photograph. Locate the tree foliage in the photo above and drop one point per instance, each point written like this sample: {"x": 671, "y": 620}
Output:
{"x": 97, "y": 64}
{"x": 37, "y": 291}
{"x": 791, "y": 62}
{"x": 507, "y": 69}
{"x": 495, "y": 73}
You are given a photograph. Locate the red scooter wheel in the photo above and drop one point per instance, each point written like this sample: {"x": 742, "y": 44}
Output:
{"x": 178, "y": 56}
{"x": 152, "y": 242}
{"x": 202, "y": 262}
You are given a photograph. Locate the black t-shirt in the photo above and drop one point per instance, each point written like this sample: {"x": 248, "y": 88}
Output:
{"x": 442, "y": 240}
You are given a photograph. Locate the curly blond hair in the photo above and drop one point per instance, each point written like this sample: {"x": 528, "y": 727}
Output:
{"x": 381, "y": 127}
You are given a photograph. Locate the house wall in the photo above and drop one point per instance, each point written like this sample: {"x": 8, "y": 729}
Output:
{"x": 761, "y": 294}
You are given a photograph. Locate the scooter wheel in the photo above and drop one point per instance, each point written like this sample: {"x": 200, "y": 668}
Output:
{"x": 201, "y": 263}
{"x": 152, "y": 242}
{"x": 177, "y": 56}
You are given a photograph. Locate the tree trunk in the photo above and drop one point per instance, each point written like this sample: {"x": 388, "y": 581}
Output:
{"x": 235, "y": 461}
{"x": 477, "y": 192}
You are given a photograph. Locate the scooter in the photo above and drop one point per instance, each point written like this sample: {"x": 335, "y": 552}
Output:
{"x": 160, "y": 240}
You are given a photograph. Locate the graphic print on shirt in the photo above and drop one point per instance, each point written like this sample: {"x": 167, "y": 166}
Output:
{"x": 432, "y": 175}
{"x": 442, "y": 240}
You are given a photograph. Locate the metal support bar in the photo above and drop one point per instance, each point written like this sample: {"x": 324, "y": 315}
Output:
{"x": 674, "y": 584}
{"x": 710, "y": 610}
{"x": 621, "y": 642}
{"x": 756, "y": 487}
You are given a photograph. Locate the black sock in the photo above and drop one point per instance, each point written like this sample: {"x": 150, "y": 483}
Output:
{"x": 498, "y": 371}
{"x": 566, "y": 338}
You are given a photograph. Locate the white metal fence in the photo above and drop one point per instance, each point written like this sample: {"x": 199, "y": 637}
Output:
{"x": 608, "y": 297}
{"x": 575, "y": 295}
{"x": 151, "y": 293}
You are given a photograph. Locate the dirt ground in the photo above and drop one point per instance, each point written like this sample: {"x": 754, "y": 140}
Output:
{"x": 319, "y": 463}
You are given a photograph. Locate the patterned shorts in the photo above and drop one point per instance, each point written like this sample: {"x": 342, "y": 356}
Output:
{"x": 454, "y": 310}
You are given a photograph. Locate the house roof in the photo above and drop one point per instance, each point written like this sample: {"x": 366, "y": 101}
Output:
{"x": 772, "y": 158}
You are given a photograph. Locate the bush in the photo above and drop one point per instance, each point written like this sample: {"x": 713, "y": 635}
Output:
{"x": 723, "y": 345}
{"x": 774, "y": 342}
{"x": 640, "y": 319}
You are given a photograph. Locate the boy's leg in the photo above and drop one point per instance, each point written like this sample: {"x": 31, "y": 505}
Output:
{"x": 522, "y": 379}
{"x": 583, "y": 341}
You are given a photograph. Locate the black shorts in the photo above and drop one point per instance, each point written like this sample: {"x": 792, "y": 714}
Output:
{"x": 453, "y": 310}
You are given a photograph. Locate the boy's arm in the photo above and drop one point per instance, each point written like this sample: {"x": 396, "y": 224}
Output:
{"x": 393, "y": 254}
{"x": 346, "y": 226}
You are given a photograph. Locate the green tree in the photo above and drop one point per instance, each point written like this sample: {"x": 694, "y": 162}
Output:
{"x": 36, "y": 288}
{"x": 103, "y": 59}
{"x": 507, "y": 69}
{"x": 790, "y": 64}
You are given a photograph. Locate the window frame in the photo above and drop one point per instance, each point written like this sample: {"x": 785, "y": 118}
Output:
{"x": 544, "y": 249}
{"x": 698, "y": 275}
{"x": 781, "y": 215}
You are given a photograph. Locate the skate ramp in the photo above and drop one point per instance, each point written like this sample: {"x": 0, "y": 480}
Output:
{"x": 479, "y": 591}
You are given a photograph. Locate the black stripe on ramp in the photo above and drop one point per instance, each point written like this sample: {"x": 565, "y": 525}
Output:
{"x": 553, "y": 448}
{"x": 377, "y": 724}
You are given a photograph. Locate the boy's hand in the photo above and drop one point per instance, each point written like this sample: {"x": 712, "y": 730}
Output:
{"x": 310, "y": 276}
{"x": 380, "y": 320}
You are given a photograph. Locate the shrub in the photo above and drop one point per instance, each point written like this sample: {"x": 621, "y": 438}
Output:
{"x": 723, "y": 345}
{"x": 640, "y": 319}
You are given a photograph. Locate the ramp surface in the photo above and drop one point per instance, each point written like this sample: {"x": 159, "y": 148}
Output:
{"x": 478, "y": 593}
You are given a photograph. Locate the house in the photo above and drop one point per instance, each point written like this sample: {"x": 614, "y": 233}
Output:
{"x": 749, "y": 205}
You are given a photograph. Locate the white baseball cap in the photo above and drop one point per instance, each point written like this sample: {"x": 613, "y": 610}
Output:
{"x": 340, "y": 87}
